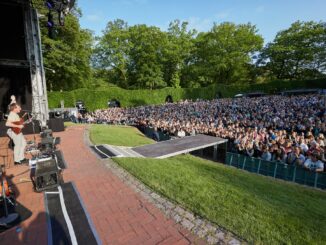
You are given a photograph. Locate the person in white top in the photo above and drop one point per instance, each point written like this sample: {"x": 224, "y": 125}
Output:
{"x": 314, "y": 164}
{"x": 18, "y": 138}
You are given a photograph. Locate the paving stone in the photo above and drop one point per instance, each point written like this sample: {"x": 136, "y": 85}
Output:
{"x": 180, "y": 210}
{"x": 234, "y": 242}
{"x": 220, "y": 235}
{"x": 201, "y": 232}
{"x": 177, "y": 218}
{"x": 154, "y": 195}
{"x": 187, "y": 224}
{"x": 189, "y": 216}
{"x": 212, "y": 239}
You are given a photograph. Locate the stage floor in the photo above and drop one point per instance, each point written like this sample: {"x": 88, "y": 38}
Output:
{"x": 175, "y": 147}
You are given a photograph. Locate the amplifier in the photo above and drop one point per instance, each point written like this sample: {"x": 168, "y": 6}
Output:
{"x": 46, "y": 175}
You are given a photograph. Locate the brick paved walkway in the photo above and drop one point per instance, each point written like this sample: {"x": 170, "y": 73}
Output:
{"x": 120, "y": 215}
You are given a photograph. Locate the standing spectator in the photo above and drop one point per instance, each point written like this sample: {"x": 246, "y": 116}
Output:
{"x": 313, "y": 164}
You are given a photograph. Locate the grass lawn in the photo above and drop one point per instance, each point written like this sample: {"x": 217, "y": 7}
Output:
{"x": 258, "y": 209}
{"x": 69, "y": 124}
{"x": 117, "y": 135}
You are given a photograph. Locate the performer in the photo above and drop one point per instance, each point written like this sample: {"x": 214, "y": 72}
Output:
{"x": 19, "y": 140}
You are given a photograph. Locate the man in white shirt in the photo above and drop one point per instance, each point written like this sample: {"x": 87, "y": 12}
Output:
{"x": 19, "y": 140}
{"x": 314, "y": 164}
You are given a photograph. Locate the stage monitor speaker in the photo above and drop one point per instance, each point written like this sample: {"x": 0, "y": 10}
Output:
{"x": 46, "y": 175}
{"x": 56, "y": 124}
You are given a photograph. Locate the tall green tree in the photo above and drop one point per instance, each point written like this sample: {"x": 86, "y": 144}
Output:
{"x": 111, "y": 54}
{"x": 179, "y": 50}
{"x": 298, "y": 52}
{"x": 147, "y": 56}
{"x": 223, "y": 53}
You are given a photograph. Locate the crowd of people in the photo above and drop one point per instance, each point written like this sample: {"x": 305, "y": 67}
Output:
{"x": 289, "y": 129}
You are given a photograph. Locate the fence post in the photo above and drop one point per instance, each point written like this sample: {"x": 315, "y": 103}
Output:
{"x": 275, "y": 169}
{"x": 215, "y": 153}
{"x": 316, "y": 180}
{"x": 202, "y": 152}
{"x": 259, "y": 163}
{"x": 244, "y": 163}
{"x": 231, "y": 159}
{"x": 294, "y": 173}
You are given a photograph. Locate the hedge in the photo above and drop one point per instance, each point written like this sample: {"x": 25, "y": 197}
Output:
{"x": 97, "y": 99}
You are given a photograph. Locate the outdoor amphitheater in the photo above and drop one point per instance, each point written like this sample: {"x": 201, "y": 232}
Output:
{"x": 144, "y": 122}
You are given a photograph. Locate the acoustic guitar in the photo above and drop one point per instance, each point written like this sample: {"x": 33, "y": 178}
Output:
{"x": 21, "y": 122}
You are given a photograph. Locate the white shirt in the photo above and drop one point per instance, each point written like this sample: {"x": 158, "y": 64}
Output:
{"x": 304, "y": 147}
{"x": 314, "y": 165}
{"x": 13, "y": 117}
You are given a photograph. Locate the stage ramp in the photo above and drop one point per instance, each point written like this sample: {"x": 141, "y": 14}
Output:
{"x": 161, "y": 150}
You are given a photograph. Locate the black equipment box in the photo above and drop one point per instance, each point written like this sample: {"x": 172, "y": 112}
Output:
{"x": 47, "y": 175}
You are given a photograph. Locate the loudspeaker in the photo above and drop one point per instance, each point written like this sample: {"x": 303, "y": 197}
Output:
{"x": 46, "y": 175}
{"x": 31, "y": 129}
{"x": 56, "y": 124}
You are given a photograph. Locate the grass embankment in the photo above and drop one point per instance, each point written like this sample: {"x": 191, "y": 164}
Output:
{"x": 258, "y": 209}
{"x": 117, "y": 135}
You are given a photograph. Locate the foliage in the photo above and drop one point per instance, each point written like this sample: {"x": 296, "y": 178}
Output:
{"x": 67, "y": 54}
{"x": 117, "y": 135}
{"x": 298, "y": 52}
{"x": 146, "y": 57}
{"x": 98, "y": 98}
{"x": 223, "y": 54}
{"x": 140, "y": 56}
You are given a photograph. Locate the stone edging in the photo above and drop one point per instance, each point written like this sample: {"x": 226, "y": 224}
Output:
{"x": 199, "y": 226}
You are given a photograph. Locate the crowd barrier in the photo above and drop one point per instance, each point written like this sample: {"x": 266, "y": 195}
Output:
{"x": 277, "y": 170}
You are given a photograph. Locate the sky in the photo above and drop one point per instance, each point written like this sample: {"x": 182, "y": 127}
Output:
{"x": 270, "y": 16}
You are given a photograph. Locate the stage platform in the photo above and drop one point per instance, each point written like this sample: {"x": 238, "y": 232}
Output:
{"x": 161, "y": 150}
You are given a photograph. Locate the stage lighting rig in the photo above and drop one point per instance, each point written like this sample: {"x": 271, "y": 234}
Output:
{"x": 62, "y": 7}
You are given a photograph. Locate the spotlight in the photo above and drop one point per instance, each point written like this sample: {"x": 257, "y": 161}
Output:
{"x": 50, "y": 25}
{"x": 49, "y": 4}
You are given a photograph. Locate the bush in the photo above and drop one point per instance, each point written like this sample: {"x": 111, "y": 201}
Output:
{"x": 98, "y": 98}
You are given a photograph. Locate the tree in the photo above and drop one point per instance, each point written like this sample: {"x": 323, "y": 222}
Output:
{"x": 179, "y": 50}
{"x": 298, "y": 52}
{"x": 111, "y": 54}
{"x": 147, "y": 55}
{"x": 223, "y": 54}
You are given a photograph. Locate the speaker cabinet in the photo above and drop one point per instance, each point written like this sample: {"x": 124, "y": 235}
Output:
{"x": 46, "y": 175}
{"x": 56, "y": 124}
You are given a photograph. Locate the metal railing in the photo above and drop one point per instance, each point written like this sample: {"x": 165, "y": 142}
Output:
{"x": 277, "y": 170}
